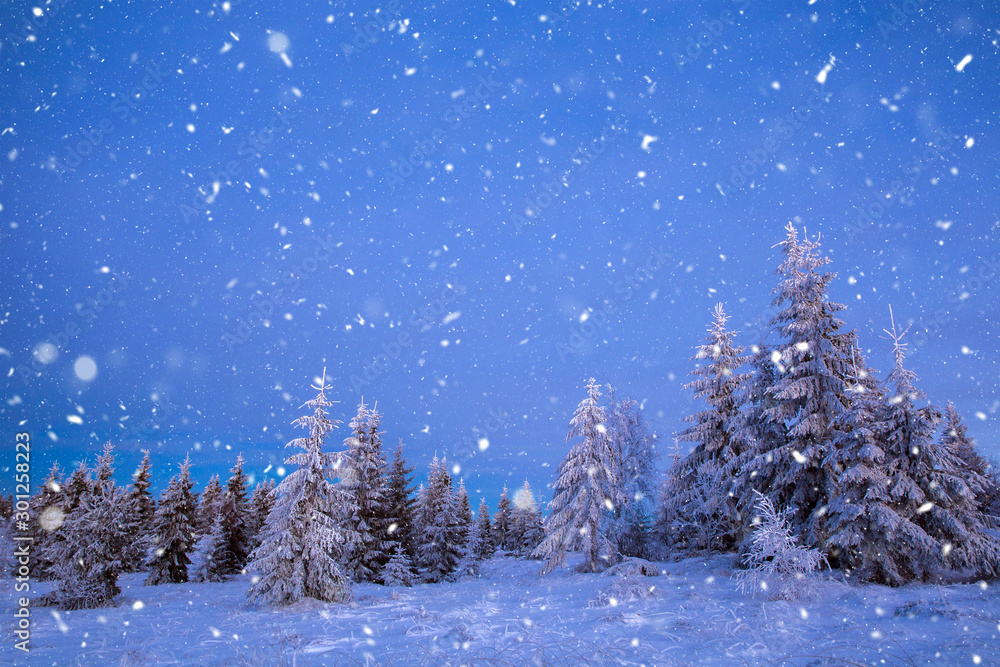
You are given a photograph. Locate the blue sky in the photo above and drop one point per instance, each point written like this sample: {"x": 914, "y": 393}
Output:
{"x": 168, "y": 171}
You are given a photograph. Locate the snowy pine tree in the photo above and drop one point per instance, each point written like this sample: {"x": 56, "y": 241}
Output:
{"x": 502, "y": 522}
{"x": 301, "y": 545}
{"x": 484, "y": 528}
{"x": 88, "y": 559}
{"x": 440, "y": 543}
{"x": 586, "y": 488}
{"x": 139, "y": 510}
{"x": 943, "y": 496}
{"x": 463, "y": 512}
{"x": 87, "y": 555}
{"x": 955, "y": 437}
{"x": 210, "y": 553}
{"x": 809, "y": 393}
{"x": 261, "y": 503}
{"x": 633, "y": 445}
{"x": 366, "y": 497}
{"x": 174, "y": 531}
{"x": 527, "y": 530}
{"x": 399, "y": 570}
{"x": 208, "y": 508}
{"x": 703, "y": 491}
{"x": 400, "y": 501}
{"x": 45, "y": 509}
{"x": 234, "y": 516}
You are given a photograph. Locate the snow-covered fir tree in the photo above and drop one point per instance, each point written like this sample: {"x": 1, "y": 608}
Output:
{"x": 77, "y": 485}
{"x": 870, "y": 536}
{"x": 52, "y": 548}
{"x": 468, "y": 563}
{"x": 501, "y": 522}
{"x": 585, "y": 489}
{"x": 463, "y": 512}
{"x": 527, "y": 529}
{"x": 89, "y": 561}
{"x": 88, "y": 557}
{"x": 261, "y": 502}
{"x": 943, "y": 497}
{"x": 955, "y": 437}
{"x": 45, "y": 509}
{"x": 210, "y": 553}
{"x": 399, "y": 570}
{"x": 174, "y": 531}
{"x": 634, "y": 449}
{"x": 754, "y": 432}
{"x": 702, "y": 493}
{"x": 809, "y": 393}
{"x": 366, "y": 503}
{"x": 301, "y": 544}
{"x": 484, "y": 527}
{"x": 234, "y": 514}
{"x": 139, "y": 510}
{"x": 208, "y": 507}
{"x": 400, "y": 500}
{"x": 440, "y": 544}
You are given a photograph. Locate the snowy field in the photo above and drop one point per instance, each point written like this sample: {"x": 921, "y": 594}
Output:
{"x": 692, "y": 614}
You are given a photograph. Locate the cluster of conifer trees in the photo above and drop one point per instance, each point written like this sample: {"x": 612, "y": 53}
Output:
{"x": 883, "y": 488}
{"x": 890, "y": 490}
{"x": 338, "y": 518}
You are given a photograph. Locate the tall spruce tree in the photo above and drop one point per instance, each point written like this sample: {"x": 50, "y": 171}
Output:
{"x": 301, "y": 544}
{"x": 527, "y": 529}
{"x": 586, "y": 488}
{"x": 810, "y": 391}
{"x": 45, "y": 509}
{"x": 502, "y": 522}
{"x": 943, "y": 494}
{"x": 366, "y": 496}
{"x": 140, "y": 508}
{"x": 463, "y": 512}
{"x": 261, "y": 503}
{"x": 174, "y": 531}
{"x": 440, "y": 544}
{"x": 401, "y": 501}
{"x": 234, "y": 516}
{"x": 484, "y": 527}
{"x": 634, "y": 448}
{"x": 88, "y": 558}
{"x": 703, "y": 496}
{"x": 208, "y": 507}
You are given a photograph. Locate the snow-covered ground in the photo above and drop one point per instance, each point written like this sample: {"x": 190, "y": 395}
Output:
{"x": 692, "y": 614}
